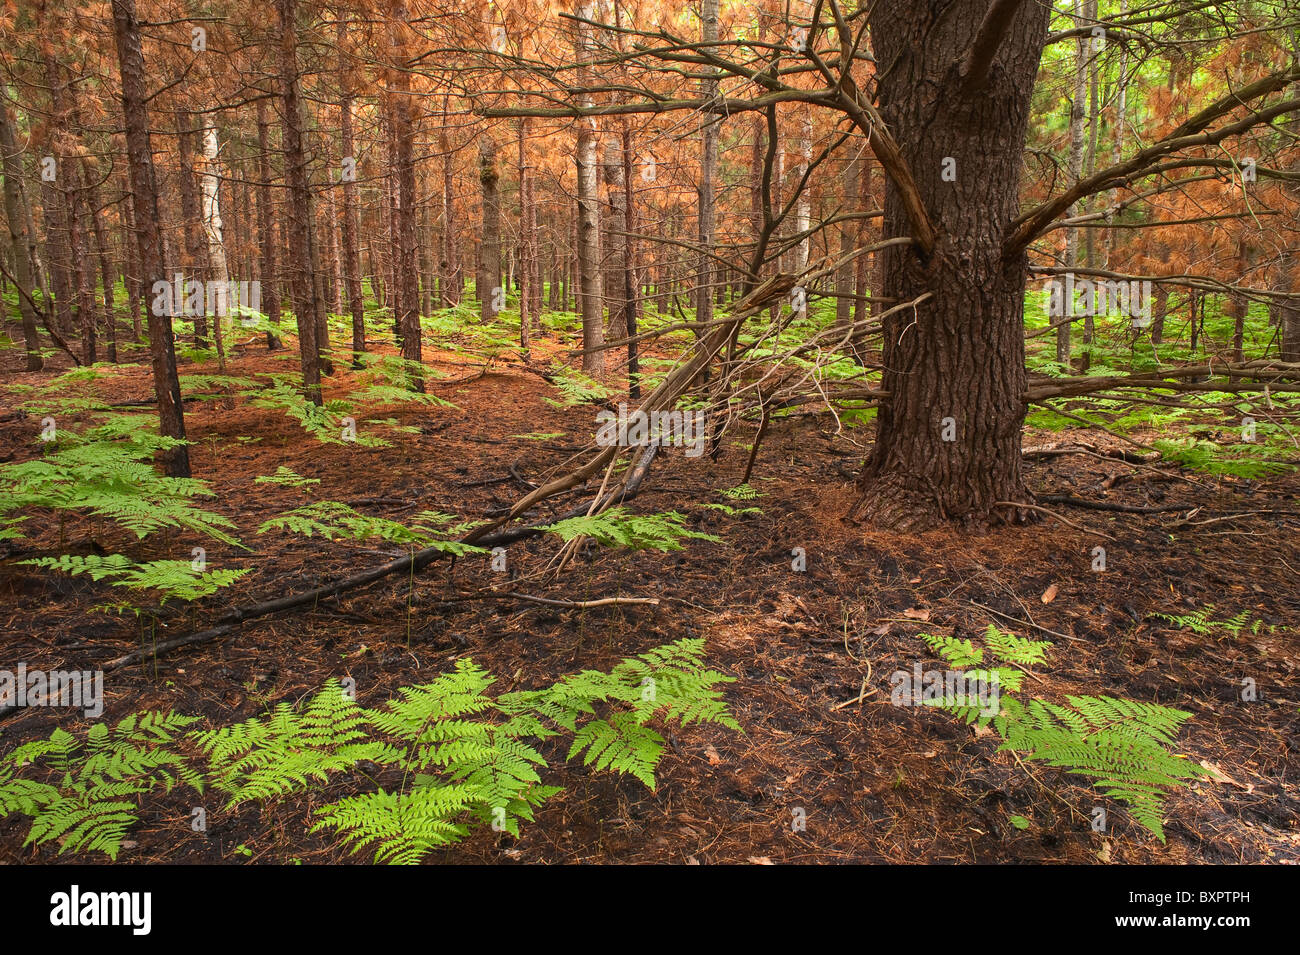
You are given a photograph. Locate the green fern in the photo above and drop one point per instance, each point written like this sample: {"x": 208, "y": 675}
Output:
{"x": 575, "y": 388}
{"x": 285, "y": 477}
{"x": 1201, "y": 622}
{"x": 731, "y": 511}
{"x": 86, "y": 796}
{"x": 463, "y": 758}
{"x": 172, "y": 578}
{"x": 1240, "y": 460}
{"x": 262, "y": 758}
{"x": 1123, "y": 746}
{"x": 404, "y": 826}
{"x": 452, "y": 757}
{"x": 107, "y": 470}
{"x": 323, "y": 422}
{"x": 617, "y": 528}
{"x": 334, "y": 519}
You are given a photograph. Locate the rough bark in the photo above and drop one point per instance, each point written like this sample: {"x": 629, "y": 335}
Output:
{"x": 617, "y": 291}
{"x": 954, "y": 363}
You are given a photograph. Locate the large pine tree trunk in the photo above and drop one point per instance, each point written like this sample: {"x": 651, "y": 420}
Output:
{"x": 144, "y": 192}
{"x": 955, "y": 363}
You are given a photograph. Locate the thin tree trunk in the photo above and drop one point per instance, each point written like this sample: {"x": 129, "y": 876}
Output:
{"x": 196, "y": 264}
{"x": 617, "y": 290}
{"x": 1074, "y": 170}
{"x": 144, "y": 190}
{"x": 265, "y": 237}
{"x": 527, "y": 236}
{"x": 630, "y": 283}
{"x": 404, "y": 133}
{"x": 706, "y": 218}
{"x": 351, "y": 261}
{"x": 218, "y": 271}
{"x": 20, "y": 241}
{"x": 588, "y": 218}
{"x": 306, "y": 304}
{"x": 488, "y": 286}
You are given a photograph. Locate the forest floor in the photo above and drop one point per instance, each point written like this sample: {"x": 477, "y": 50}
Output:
{"x": 876, "y": 783}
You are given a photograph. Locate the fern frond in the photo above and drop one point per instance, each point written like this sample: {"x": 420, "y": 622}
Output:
{"x": 617, "y": 528}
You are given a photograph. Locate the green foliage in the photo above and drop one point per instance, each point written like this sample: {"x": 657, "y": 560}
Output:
{"x": 461, "y": 757}
{"x": 617, "y": 528}
{"x": 208, "y": 387}
{"x": 108, "y": 471}
{"x": 84, "y": 795}
{"x": 323, "y": 422}
{"x": 285, "y": 477}
{"x": 334, "y": 519}
{"x": 1123, "y": 746}
{"x": 388, "y": 380}
{"x": 731, "y": 511}
{"x": 65, "y": 395}
{"x": 1201, "y": 622}
{"x": 458, "y": 328}
{"x": 271, "y": 756}
{"x": 1242, "y": 460}
{"x": 575, "y": 388}
{"x": 171, "y": 578}
{"x": 442, "y": 756}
